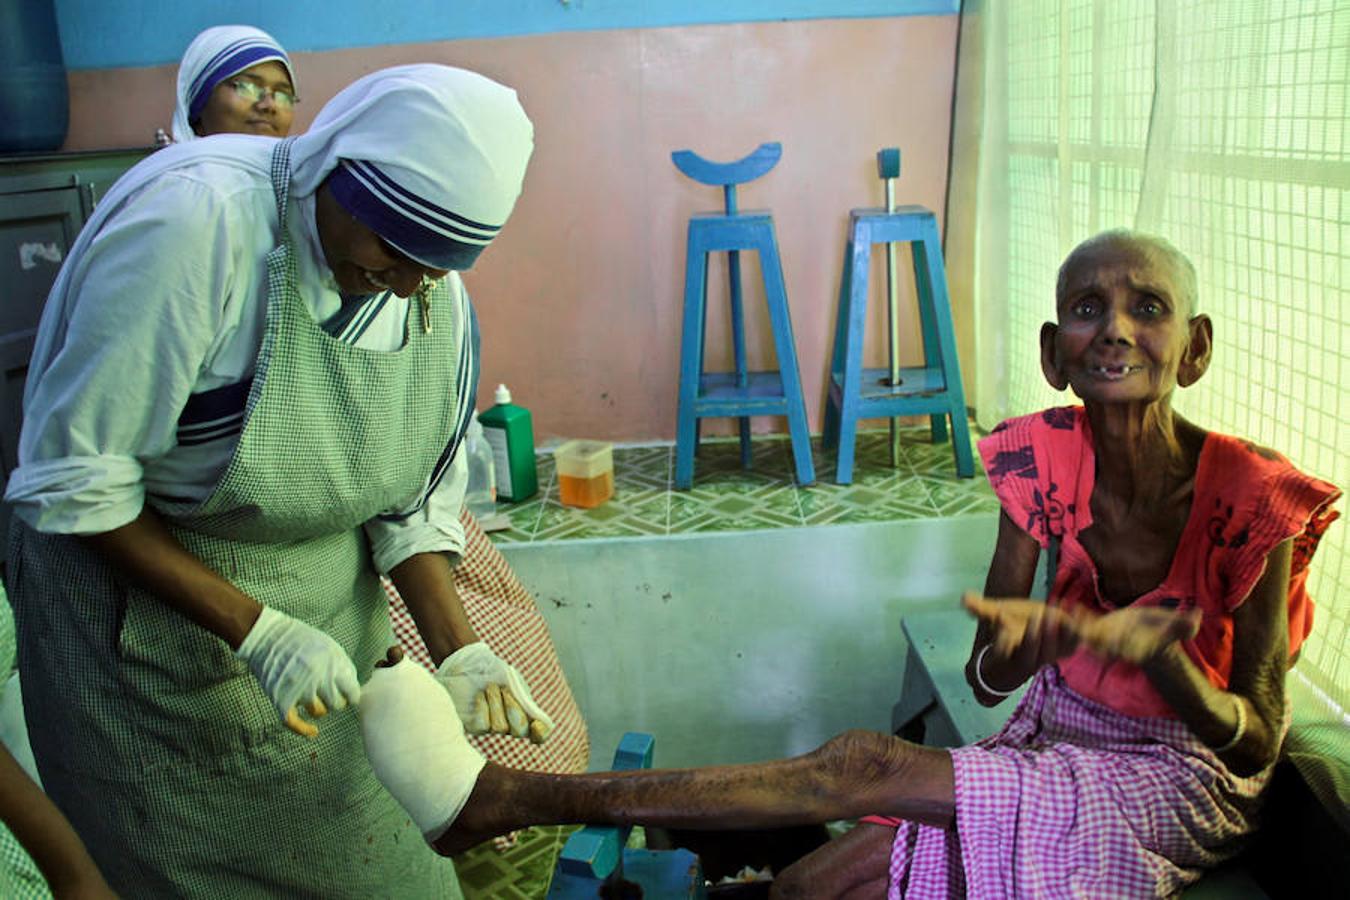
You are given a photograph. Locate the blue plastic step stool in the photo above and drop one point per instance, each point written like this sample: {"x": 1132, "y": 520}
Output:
{"x": 741, "y": 393}
{"x": 935, "y": 388}
{"x": 595, "y": 856}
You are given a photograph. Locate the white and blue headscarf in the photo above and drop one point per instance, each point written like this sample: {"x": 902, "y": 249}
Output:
{"x": 429, "y": 157}
{"x": 214, "y": 55}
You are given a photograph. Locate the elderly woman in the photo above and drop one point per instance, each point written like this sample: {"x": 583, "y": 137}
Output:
{"x": 234, "y": 79}
{"x": 1155, "y": 712}
{"x": 244, "y": 405}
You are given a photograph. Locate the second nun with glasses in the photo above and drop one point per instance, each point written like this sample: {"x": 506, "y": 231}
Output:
{"x": 234, "y": 79}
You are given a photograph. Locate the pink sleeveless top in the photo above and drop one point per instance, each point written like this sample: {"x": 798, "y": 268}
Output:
{"x": 1247, "y": 500}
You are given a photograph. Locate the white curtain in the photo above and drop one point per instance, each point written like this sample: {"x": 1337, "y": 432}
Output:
{"x": 1218, "y": 123}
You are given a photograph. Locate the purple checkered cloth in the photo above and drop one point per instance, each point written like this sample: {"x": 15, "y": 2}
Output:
{"x": 1072, "y": 799}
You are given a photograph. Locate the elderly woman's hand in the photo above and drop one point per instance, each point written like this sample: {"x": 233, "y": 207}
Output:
{"x": 1028, "y": 634}
{"x": 1137, "y": 634}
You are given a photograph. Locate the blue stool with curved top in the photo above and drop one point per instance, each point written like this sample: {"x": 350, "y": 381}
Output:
{"x": 741, "y": 393}
{"x": 933, "y": 389}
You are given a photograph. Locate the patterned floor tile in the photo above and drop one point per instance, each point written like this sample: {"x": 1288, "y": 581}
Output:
{"x": 770, "y": 457}
{"x": 939, "y": 460}
{"x": 960, "y": 496}
{"x": 523, "y": 518}
{"x": 889, "y": 496}
{"x": 545, "y": 467}
{"x": 645, "y": 467}
{"x": 725, "y": 496}
{"x": 610, "y": 519}
{"x": 729, "y": 509}
{"x": 737, "y": 499}
{"x": 520, "y": 873}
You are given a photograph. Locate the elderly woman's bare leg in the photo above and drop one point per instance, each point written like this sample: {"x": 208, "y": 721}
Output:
{"x": 857, "y": 773}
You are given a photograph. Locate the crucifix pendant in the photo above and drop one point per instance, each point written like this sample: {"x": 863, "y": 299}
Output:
{"x": 424, "y": 300}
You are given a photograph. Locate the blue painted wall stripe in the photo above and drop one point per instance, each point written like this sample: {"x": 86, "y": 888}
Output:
{"x": 98, "y": 34}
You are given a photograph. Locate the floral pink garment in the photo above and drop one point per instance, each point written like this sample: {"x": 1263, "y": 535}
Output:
{"x": 1246, "y": 501}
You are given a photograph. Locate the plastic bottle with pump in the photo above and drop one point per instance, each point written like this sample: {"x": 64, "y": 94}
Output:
{"x": 509, "y": 431}
{"x": 481, "y": 495}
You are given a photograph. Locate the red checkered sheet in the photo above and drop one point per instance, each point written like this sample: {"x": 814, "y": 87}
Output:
{"x": 504, "y": 615}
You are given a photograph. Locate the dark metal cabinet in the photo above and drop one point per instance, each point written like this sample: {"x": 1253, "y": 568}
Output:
{"x": 44, "y": 200}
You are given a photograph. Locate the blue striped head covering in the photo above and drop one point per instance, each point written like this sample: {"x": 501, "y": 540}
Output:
{"x": 417, "y": 228}
{"x": 429, "y": 157}
{"x": 213, "y": 56}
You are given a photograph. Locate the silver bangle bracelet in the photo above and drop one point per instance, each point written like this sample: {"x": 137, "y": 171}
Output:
{"x": 1241, "y": 726}
{"x": 979, "y": 678}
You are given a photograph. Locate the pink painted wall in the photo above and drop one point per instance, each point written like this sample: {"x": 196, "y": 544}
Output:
{"x": 580, "y": 298}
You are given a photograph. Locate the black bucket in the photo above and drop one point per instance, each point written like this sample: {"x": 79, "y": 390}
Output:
{"x": 34, "y": 96}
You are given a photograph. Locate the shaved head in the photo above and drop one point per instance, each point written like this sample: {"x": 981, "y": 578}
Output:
{"x": 1155, "y": 246}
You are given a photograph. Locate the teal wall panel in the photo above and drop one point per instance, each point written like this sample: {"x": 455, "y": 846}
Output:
{"x": 97, "y": 34}
{"x": 737, "y": 647}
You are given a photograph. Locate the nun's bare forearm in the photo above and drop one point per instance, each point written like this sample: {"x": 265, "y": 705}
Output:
{"x": 150, "y": 557}
{"x": 426, "y": 581}
{"x": 47, "y": 835}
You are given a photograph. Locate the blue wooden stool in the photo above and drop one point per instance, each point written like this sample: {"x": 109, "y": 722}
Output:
{"x": 595, "y": 857}
{"x": 741, "y": 393}
{"x": 935, "y": 388}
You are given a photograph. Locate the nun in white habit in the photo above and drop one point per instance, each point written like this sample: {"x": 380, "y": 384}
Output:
{"x": 234, "y": 79}
{"x": 249, "y": 386}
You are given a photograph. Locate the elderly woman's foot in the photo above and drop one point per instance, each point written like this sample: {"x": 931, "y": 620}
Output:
{"x": 416, "y": 744}
{"x": 485, "y": 814}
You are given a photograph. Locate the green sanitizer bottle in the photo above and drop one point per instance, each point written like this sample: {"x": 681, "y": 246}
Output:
{"x": 508, "y": 430}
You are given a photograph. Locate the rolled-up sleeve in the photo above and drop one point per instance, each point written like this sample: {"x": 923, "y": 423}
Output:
{"x": 118, "y": 356}
{"x": 434, "y": 527}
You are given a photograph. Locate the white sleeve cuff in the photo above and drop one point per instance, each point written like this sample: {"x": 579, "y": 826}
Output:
{"x": 433, "y": 528}
{"x": 393, "y": 542}
{"x": 77, "y": 494}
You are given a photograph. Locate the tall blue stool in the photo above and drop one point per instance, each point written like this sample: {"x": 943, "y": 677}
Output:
{"x": 933, "y": 389}
{"x": 741, "y": 393}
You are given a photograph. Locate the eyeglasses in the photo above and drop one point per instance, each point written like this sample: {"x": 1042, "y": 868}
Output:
{"x": 253, "y": 92}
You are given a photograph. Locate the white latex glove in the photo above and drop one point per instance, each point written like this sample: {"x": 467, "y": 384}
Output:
{"x": 491, "y": 696}
{"x": 297, "y": 663}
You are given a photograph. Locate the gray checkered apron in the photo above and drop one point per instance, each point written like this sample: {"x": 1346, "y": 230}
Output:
{"x": 157, "y": 743}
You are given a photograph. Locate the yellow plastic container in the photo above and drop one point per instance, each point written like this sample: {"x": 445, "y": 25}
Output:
{"x": 585, "y": 472}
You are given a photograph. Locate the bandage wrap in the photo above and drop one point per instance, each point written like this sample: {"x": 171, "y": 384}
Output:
{"x": 416, "y": 745}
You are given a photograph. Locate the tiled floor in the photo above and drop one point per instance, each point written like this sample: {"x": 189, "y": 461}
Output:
{"x": 725, "y": 497}
{"x": 521, "y": 873}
